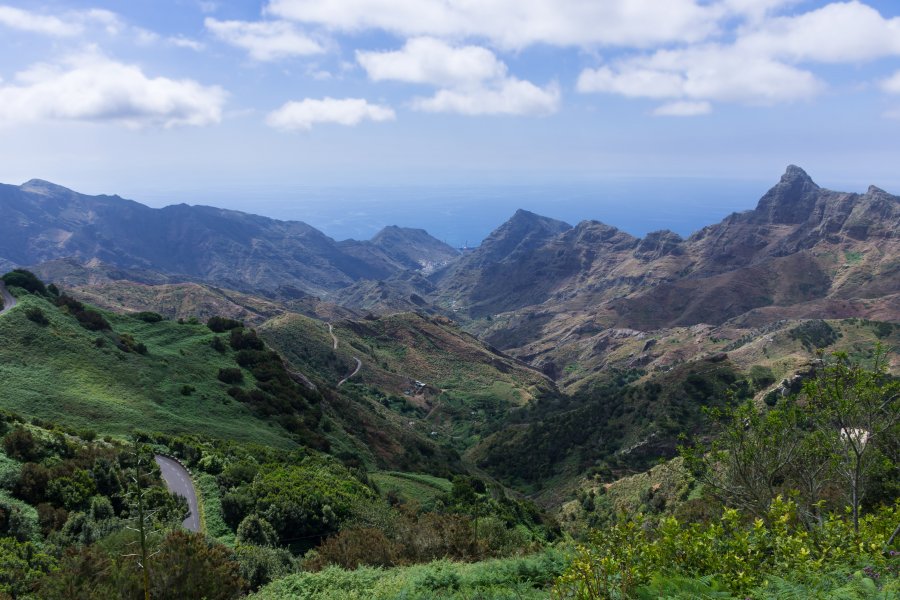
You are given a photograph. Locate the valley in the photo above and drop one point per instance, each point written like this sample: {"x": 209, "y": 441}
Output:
{"x": 394, "y": 402}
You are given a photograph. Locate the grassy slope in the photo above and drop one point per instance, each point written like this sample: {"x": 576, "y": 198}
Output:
{"x": 56, "y": 372}
{"x": 524, "y": 578}
{"x": 412, "y": 487}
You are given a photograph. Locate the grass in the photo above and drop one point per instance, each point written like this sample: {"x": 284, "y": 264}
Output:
{"x": 412, "y": 487}
{"x": 211, "y": 505}
{"x": 523, "y": 578}
{"x": 62, "y": 373}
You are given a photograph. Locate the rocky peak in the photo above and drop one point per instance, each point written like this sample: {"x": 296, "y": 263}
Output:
{"x": 523, "y": 231}
{"x": 659, "y": 243}
{"x": 791, "y": 200}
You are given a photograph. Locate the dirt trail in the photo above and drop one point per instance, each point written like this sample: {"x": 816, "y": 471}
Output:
{"x": 334, "y": 346}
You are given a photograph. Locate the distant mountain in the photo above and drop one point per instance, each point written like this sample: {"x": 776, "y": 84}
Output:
{"x": 804, "y": 251}
{"x": 45, "y": 222}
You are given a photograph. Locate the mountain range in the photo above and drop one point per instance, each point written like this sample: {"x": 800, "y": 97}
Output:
{"x": 536, "y": 287}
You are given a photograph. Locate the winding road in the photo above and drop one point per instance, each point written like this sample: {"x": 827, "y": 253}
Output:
{"x": 8, "y": 299}
{"x": 178, "y": 480}
{"x": 334, "y": 346}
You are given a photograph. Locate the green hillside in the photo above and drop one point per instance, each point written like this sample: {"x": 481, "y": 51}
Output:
{"x": 65, "y": 373}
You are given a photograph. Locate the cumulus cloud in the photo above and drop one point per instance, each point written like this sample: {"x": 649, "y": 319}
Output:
{"x": 67, "y": 25}
{"x": 683, "y": 109}
{"x": 94, "y": 88}
{"x": 510, "y": 97}
{"x": 707, "y": 73}
{"x": 474, "y": 80}
{"x": 264, "y": 40}
{"x": 516, "y": 23}
{"x": 432, "y": 61}
{"x": 763, "y": 64}
{"x": 840, "y": 32}
{"x": 306, "y": 113}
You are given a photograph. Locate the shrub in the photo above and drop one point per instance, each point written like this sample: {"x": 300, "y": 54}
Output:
{"x": 256, "y": 531}
{"x": 231, "y": 375}
{"x": 223, "y": 324}
{"x": 241, "y": 340}
{"x": 36, "y": 315}
{"x": 26, "y": 280}
{"x": 217, "y": 344}
{"x": 622, "y": 558}
{"x": 21, "y": 445}
{"x": 148, "y": 317}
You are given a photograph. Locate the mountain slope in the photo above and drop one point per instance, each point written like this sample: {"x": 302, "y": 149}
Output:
{"x": 802, "y": 246}
{"x": 229, "y": 248}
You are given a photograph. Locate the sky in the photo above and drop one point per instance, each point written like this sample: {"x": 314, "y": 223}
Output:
{"x": 353, "y": 114}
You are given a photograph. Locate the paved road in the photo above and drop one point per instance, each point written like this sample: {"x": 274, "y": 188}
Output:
{"x": 178, "y": 480}
{"x": 8, "y": 299}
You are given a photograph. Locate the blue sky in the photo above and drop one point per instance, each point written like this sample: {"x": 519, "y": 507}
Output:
{"x": 254, "y": 102}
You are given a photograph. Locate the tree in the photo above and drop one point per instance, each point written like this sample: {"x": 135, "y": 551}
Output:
{"x": 257, "y": 531}
{"x": 745, "y": 465}
{"x": 855, "y": 411}
{"x": 843, "y": 429}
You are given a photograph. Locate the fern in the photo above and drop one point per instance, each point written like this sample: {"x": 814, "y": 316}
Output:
{"x": 662, "y": 587}
{"x": 827, "y": 588}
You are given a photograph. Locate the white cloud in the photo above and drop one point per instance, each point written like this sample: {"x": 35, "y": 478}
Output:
{"x": 24, "y": 20}
{"x": 840, "y": 32}
{"x": 474, "y": 81}
{"x": 94, "y": 88}
{"x": 703, "y": 74}
{"x": 683, "y": 109}
{"x": 183, "y": 42}
{"x": 516, "y": 23}
{"x": 264, "y": 40}
{"x": 509, "y": 97}
{"x": 429, "y": 60}
{"x": 308, "y": 112}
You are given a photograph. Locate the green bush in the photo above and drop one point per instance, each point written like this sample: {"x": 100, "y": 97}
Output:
{"x": 621, "y": 559}
{"x": 148, "y": 317}
{"x": 223, "y": 324}
{"x": 231, "y": 375}
{"x": 26, "y": 280}
{"x": 36, "y": 315}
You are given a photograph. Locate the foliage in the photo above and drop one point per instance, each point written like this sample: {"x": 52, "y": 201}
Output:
{"x": 223, "y": 324}
{"x": 585, "y": 432}
{"x": 814, "y": 334}
{"x": 22, "y": 565}
{"x": 521, "y": 578}
{"x": 827, "y": 446}
{"x": 36, "y": 315}
{"x": 184, "y": 565}
{"x": 306, "y": 500}
{"x": 148, "y": 317}
{"x": 623, "y": 558}
{"x": 26, "y": 280}
{"x": 231, "y": 375}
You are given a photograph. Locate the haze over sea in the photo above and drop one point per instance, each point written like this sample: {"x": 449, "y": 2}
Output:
{"x": 464, "y": 214}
